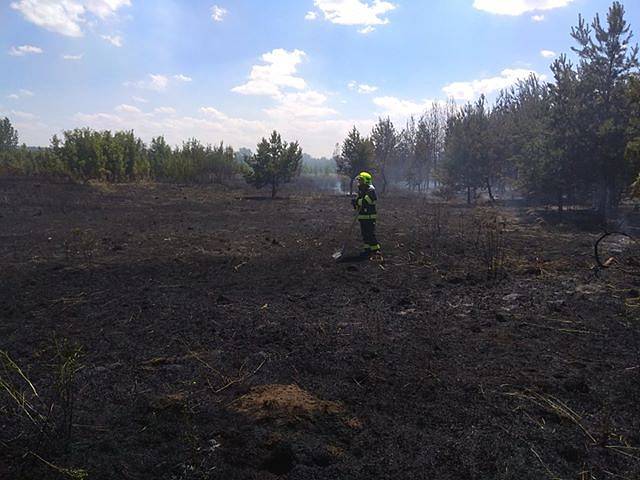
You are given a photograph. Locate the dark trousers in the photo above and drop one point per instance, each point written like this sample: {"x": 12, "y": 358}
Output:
{"x": 368, "y": 230}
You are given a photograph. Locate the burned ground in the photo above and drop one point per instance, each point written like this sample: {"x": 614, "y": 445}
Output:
{"x": 208, "y": 333}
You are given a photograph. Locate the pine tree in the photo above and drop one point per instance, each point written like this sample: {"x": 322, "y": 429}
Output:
{"x": 274, "y": 163}
{"x": 385, "y": 141}
{"x": 607, "y": 62}
{"x": 356, "y": 156}
{"x": 8, "y": 136}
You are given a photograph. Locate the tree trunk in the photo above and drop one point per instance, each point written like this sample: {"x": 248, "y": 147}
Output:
{"x": 489, "y": 191}
{"x": 560, "y": 202}
{"x": 274, "y": 189}
{"x": 468, "y": 195}
{"x": 351, "y": 186}
{"x": 605, "y": 199}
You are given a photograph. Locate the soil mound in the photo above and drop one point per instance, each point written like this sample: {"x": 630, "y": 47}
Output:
{"x": 278, "y": 401}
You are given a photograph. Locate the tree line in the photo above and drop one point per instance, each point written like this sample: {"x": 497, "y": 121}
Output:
{"x": 575, "y": 139}
{"x": 84, "y": 154}
{"x": 411, "y": 156}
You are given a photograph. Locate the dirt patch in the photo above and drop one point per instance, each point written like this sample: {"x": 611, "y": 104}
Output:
{"x": 277, "y": 401}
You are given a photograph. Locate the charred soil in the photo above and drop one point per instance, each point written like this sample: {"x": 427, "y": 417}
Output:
{"x": 213, "y": 336}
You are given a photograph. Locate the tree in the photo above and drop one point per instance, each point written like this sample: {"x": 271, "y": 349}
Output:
{"x": 607, "y": 62}
{"x": 223, "y": 163}
{"x": 385, "y": 141}
{"x": 632, "y": 151}
{"x": 159, "y": 155}
{"x": 425, "y": 137}
{"x": 274, "y": 163}
{"x": 8, "y": 136}
{"x": 467, "y": 163}
{"x": 406, "y": 151}
{"x": 523, "y": 138}
{"x": 355, "y": 157}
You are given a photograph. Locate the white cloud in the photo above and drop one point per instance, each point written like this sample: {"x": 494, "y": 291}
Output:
{"x": 474, "y": 88}
{"x": 155, "y": 82}
{"x": 518, "y": 7}
{"x": 165, "y": 110}
{"x": 105, "y": 8}
{"x": 182, "y": 78}
{"x": 233, "y": 131}
{"x": 279, "y": 74}
{"x": 124, "y": 108}
{"x": 23, "y": 115}
{"x": 22, "y": 93}
{"x": 66, "y": 17}
{"x": 62, "y": 17}
{"x": 23, "y": 50}
{"x": 115, "y": 40}
{"x": 318, "y": 137}
{"x": 311, "y": 16}
{"x": 72, "y": 57}
{"x": 547, "y": 53}
{"x": 158, "y": 82}
{"x": 356, "y": 12}
{"x": 139, "y": 99}
{"x": 298, "y": 112}
{"x": 281, "y": 65}
{"x": 218, "y": 13}
{"x": 361, "y": 87}
{"x": 399, "y": 108}
{"x": 537, "y": 18}
{"x": 303, "y": 104}
{"x": 366, "y": 30}
{"x": 213, "y": 112}
{"x": 106, "y": 121}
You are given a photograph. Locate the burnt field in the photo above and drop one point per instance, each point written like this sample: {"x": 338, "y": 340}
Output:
{"x": 169, "y": 332}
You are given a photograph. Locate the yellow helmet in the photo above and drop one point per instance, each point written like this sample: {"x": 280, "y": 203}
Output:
{"x": 364, "y": 177}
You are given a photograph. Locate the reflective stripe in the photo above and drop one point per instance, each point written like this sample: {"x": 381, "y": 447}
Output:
{"x": 375, "y": 247}
{"x": 373, "y": 216}
{"x": 369, "y": 200}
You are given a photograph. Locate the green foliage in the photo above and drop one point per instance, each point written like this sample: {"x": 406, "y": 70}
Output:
{"x": 274, "y": 163}
{"x": 632, "y": 150}
{"x": 607, "y": 63}
{"x": 317, "y": 166}
{"x": 468, "y": 159}
{"x": 385, "y": 142}
{"x": 8, "y": 136}
{"x": 574, "y": 139}
{"x": 356, "y": 156}
{"x": 85, "y": 154}
{"x": 43, "y": 422}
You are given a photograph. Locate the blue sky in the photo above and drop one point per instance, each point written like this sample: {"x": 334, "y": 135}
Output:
{"x": 232, "y": 71}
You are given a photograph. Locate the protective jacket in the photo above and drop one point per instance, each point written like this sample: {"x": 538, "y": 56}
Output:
{"x": 365, "y": 203}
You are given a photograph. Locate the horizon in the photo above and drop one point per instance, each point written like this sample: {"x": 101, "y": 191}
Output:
{"x": 217, "y": 71}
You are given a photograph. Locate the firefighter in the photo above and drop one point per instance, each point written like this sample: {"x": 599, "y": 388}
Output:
{"x": 365, "y": 204}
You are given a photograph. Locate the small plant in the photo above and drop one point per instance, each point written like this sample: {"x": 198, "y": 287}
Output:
{"x": 68, "y": 357}
{"x": 41, "y": 424}
{"x": 489, "y": 245}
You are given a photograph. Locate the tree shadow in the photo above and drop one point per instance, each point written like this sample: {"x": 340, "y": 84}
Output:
{"x": 264, "y": 198}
